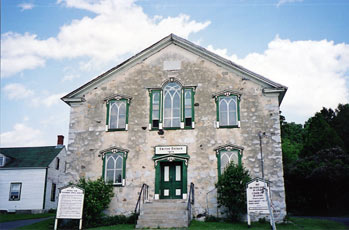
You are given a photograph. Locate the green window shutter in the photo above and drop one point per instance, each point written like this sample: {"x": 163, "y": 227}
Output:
{"x": 188, "y": 108}
{"x": 107, "y": 118}
{"x": 155, "y": 108}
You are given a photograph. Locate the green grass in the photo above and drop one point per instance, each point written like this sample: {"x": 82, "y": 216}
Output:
{"x": 297, "y": 223}
{"x": 13, "y": 217}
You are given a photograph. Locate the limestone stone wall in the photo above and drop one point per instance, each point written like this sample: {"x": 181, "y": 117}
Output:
{"x": 258, "y": 112}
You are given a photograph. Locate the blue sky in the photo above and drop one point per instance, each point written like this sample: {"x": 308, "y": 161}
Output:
{"x": 49, "y": 48}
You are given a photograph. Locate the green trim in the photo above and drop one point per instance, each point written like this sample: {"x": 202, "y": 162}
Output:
{"x": 217, "y": 108}
{"x": 127, "y": 113}
{"x": 44, "y": 201}
{"x": 184, "y": 177}
{"x": 151, "y": 109}
{"x": 182, "y": 104}
{"x": 103, "y": 172}
{"x": 192, "y": 108}
{"x": 157, "y": 179}
{"x": 193, "y": 102}
{"x": 229, "y": 127}
{"x": 107, "y": 120}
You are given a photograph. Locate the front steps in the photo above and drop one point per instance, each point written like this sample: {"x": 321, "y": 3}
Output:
{"x": 163, "y": 214}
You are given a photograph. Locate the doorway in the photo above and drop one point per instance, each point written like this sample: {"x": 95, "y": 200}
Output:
{"x": 171, "y": 180}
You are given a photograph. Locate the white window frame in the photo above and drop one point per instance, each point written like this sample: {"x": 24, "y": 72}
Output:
{"x": 11, "y": 190}
{"x": 114, "y": 157}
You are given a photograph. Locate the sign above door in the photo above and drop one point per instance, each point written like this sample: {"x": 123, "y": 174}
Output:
{"x": 171, "y": 149}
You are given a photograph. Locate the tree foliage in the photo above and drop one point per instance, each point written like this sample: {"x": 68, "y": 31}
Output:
{"x": 231, "y": 189}
{"x": 316, "y": 162}
{"x": 98, "y": 195}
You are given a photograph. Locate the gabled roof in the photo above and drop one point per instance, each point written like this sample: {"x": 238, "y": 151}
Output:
{"x": 30, "y": 157}
{"x": 269, "y": 85}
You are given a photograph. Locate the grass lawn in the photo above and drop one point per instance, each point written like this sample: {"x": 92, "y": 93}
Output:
{"x": 13, "y": 217}
{"x": 297, "y": 223}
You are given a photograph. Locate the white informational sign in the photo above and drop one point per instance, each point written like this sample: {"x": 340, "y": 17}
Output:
{"x": 176, "y": 149}
{"x": 256, "y": 198}
{"x": 70, "y": 203}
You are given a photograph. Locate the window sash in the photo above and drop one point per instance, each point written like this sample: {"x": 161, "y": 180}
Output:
{"x": 117, "y": 114}
{"x": 172, "y": 105}
{"x": 114, "y": 168}
{"x": 228, "y": 156}
{"x": 15, "y": 191}
{"x": 228, "y": 110}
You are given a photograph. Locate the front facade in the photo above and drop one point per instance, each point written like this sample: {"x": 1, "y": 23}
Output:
{"x": 172, "y": 115}
{"x": 30, "y": 178}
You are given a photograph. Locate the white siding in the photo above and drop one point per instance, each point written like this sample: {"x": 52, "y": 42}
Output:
{"x": 32, "y": 192}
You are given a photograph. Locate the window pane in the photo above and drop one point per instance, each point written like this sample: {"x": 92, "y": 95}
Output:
{"x": 114, "y": 113}
{"x": 232, "y": 112}
{"x": 110, "y": 176}
{"x": 224, "y": 162}
{"x": 223, "y": 108}
{"x": 110, "y": 163}
{"x": 118, "y": 176}
{"x": 119, "y": 163}
{"x": 234, "y": 157}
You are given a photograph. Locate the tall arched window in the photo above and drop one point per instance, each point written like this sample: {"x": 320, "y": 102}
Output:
{"x": 227, "y": 154}
{"x": 117, "y": 112}
{"x": 228, "y": 109}
{"x": 172, "y": 105}
{"x": 117, "y": 118}
{"x": 114, "y": 169}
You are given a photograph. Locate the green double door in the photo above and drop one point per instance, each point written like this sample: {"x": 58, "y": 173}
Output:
{"x": 171, "y": 184}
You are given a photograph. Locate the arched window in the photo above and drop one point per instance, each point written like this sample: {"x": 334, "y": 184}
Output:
{"x": 114, "y": 169}
{"x": 228, "y": 109}
{"x": 227, "y": 154}
{"x": 171, "y": 107}
{"x": 117, "y": 118}
{"x": 117, "y": 112}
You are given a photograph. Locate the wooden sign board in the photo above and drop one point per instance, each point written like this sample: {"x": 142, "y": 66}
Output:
{"x": 172, "y": 149}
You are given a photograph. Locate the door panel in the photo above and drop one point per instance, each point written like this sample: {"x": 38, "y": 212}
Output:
{"x": 171, "y": 180}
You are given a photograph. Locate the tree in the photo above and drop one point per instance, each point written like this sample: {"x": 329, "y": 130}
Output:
{"x": 318, "y": 135}
{"x": 231, "y": 189}
{"x": 292, "y": 141}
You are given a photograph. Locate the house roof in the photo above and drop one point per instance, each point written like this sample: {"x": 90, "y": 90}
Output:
{"x": 269, "y": 85}
{"x": 30, "y": 157}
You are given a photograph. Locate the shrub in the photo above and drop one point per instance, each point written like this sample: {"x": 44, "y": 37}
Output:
{"x": 231, "y": 191}
{"x": 98, "y": 195}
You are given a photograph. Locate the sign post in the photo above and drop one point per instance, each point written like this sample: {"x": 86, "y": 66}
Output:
{"x": 70, "y": 204}
{"x": 258, "y": 200}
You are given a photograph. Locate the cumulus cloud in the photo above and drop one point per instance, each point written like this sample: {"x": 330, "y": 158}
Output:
{"x": 115, "y": 33}
{"x": 281, "y": 2}
{"x": 47, "y": 101}
{"x": 26, "y": 6}
{"x": 316, "y": 73}
{"x": 17, "y": 91}
{"x": 21, "y": 135}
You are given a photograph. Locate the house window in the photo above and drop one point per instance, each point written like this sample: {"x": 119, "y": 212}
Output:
{"x": 114, "y": 168}
{"x": 57, "y": 163}
{"x": 2, "y": 160}
{"x": 226, "y": 155}
{"x": 117, "y": 113}
{"x": 53, "y": 192}
{"x": 171, "y": 107}
{"x": 228, "y": 110}
{"x": 15, "y": 191}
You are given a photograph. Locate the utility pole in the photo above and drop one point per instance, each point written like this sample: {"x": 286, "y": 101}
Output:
{"x": 266, "y": 192}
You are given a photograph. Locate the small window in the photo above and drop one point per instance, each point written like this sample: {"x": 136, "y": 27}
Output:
{"x": 117, "y": 113}
{"x": 115, "y": 168}
{"x": 57, "y": 163}
{"x": 228, "y": 110}
{"x": 53, "y": 192}
{"x": 2, "y": 160}
{"x": 155, "y": 109}
{"x": 15, "y": 191}
{"x": 188, "y": 108}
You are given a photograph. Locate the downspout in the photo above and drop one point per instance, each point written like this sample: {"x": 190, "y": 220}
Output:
{"x": 43, "y": 203}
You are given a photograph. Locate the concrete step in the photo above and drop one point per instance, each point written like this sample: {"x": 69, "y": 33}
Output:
{"x": 163, "y": 214}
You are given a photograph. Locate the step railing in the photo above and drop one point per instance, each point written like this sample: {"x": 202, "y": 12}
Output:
{"x": 143, "y": 196}
{"x": 191, "y": 201}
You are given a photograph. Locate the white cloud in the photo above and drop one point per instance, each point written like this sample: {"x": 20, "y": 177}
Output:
{"x": 26, "y": 6}
{"x": 120, "y": 27}
{"x": 22, "y": 135}
{"x": 281, "y": 2}
{"x": 316, "y": 73}
{"x": 70, "y": 77}
{"x": 17, "y": 91}
{"x": 47, "y": 101}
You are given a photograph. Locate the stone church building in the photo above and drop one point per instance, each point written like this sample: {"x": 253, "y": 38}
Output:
{"x": 172, "y": 115}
